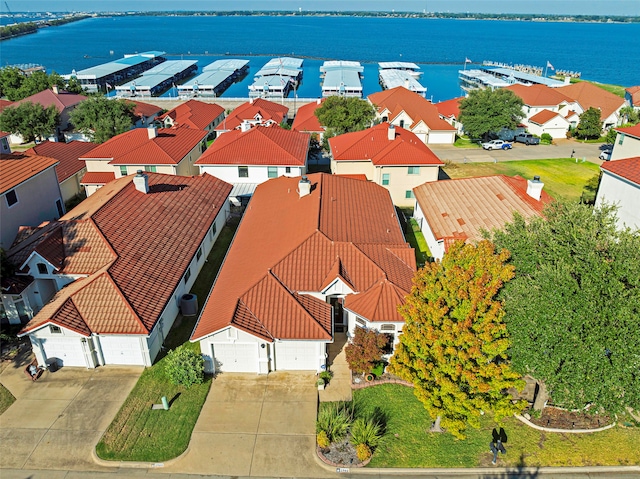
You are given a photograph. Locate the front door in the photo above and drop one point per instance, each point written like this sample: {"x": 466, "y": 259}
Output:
{"x": 338, "y": 314}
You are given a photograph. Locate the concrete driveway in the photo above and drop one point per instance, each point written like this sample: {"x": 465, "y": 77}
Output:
{"x": 56, "y": 421}
{"x": 260, "y": 426}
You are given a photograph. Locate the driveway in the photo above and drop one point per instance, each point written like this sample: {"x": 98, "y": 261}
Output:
{"x": 260, "y": 426}
{"x": 56, "y": 421}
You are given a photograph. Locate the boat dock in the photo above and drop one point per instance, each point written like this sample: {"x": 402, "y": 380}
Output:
{"x": 112, "y": 73}
{"x": 395, "y": 74}
{"x": 341, "y": 78}
{"x": 158, "y": 79}
{"x": 489, "y": 77}
{"x": 214, "y": 79}
{"x": 277, "y": 78}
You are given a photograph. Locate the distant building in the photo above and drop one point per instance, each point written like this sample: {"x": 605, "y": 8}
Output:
{"x": 194, "y": 114}
{"x": 632, "y": 97}
{"x": 254, "y": 112}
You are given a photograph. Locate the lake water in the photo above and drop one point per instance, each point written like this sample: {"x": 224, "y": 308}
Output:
{"x": 607, "y": 53}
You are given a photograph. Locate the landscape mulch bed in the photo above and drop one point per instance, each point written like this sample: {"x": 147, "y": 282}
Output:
{"x": 554, "y": 417}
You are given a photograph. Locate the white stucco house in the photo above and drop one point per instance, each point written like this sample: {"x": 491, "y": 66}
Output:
{"x": 305, "y": 264}
{"x": 111, "y": 274}
{"x": 627, "y": 144}
{"x": 620, "y": 186}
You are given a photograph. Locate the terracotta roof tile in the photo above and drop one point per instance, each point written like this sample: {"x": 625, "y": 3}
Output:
{"x": 67, "y": 154}
{"x": 540, "y": 95}
{"x": 633, "y": 131}
{"x": 449, "y": 108}
{"x": 311, "y": 239}
{"x": 628, "y": 168}
{"x": 373, "y": 144}
{"x": 589, "y": 95}
{"x": 355, "y": 176}
{"x": 266, "y": 109}
{"x": 461, "y": 208}
{"x": 258, "y": 146}
{"x": 16, "y": 168}
{"x": 61, "y": 100}
{"x": 4, "y": 104}
{"x": 69, "y": 317}
{"x": 145, "y": 109}
{"x": 169, "y": 147}
{"x": 544, "y": 116}
{"x": 379, "y": 303}
{"x": 634, "y": 92}
{"x": 97, "y": 177}
{"x": 306, "y": 119}
{"x": 194, "y": 114}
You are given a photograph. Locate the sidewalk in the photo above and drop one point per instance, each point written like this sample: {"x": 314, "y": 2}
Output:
{"x": 339, "y": 388}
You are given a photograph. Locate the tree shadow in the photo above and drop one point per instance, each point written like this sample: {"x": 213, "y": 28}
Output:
{"x": 519, "y": 471}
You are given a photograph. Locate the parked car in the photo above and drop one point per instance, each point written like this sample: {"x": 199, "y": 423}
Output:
{"x": 605, "y": 155}
{"x": 606, "y": 146}
{"x": 496, "y": 145}
{"x": 507, "y": 134}
{"x": 527, "y": 139}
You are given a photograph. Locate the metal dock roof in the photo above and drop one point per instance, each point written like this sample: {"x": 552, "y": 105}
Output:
{"x": 226, "y": 65}
{"x": 285, "y": 66}
{"x": 523, "y": 77}
{"x": 341, "y": 77}
{"x": 158, "y": 74}
{"x": 215, "y": 74}
{"x": 398, "y": 66}
{"x": 395, "y": 78}
{"x": 115, "y": 66}
{"x": 482, "y": 78}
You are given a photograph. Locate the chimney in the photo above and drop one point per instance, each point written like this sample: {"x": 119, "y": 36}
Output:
{"x": 152, "y": 131}
{"x": 304, "y": 186}
{"x": 250, "y": 101}
{"x": 318, "y": 101}
{"x": 534, "y": 188}
{"x": 245, "y": 126}
{"x": 141, "y": 182}
{"x": 391, "y": 133}
{"x": 55, "y": 89}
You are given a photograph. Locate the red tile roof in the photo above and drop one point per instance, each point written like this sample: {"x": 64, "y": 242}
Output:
{"x": 61, "y": 100}
{"x": 16, "y": 168}
{"x": 373, "y": 144}
{"x": 589, "y": 95}
{"x": 306, "y": 119}
{"x": 633, "y": 131}
{"x": 539, "y": 95}
{"x": 135, "y": 248}
{"x": 344, "y": 229}
{"x": 194, "y": 114}
{"x": 145, "y": 109}
{"x": 629, "y": 168}
{"x": 258, "y": 146}
{"x": 544, "y": 116}
{"x": 399, "y": 99}
{"x": 134, "y": 147}
{"x": 449, "y": 108}
{"x": 355, "y": 176}
{"x": 68, "y": 155}
{"x": 267, "y": 110}
{"x": 461, "y": 208}
{"x": 97, "y": 177}
{"x": 634, "y": 92}
{"x": 4, "y": 104}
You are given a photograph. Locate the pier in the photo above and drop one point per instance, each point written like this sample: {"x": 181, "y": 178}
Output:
{"x": 159, "y": 78}
{"x": 341, "y": 78}
{"x": 277, "y": 78}
{"x": 395, "y": 74}
{"x": 214, "y": 79}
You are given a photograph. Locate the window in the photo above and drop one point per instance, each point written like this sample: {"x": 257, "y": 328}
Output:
{"x": 59, "y": 207}
{"x": 243, "y": 171}
{"x": 12, "y": 197}
{"x": 187, "y": 275}
{"x": 388, "y": 327}
{"x": 199, "y": 254}
{"x": 55, "y": 329}
{"x": 620, "y": 140}
{"x": 385, "y": 179}
{"x": 123, "y": 171}
{"x": 272, "y": 171}
{"x": 408, "y": 194}
{"x": 287, "y": 169}
{"x": 413, "y": 170}
{"x": 361, "y": 321}
{"x": 42, "y": 268}
{"x": 401, "y": 124}
{"x": 150, "y": 169}
{"x": 212, "y": 231}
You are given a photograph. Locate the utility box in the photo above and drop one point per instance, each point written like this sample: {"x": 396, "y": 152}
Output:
{"x": 189, "y": 305}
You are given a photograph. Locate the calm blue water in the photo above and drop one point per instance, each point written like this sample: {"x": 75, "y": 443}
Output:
{"x": 608, "y": 53}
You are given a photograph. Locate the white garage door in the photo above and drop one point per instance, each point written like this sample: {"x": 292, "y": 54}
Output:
{"x": 296, "y": 356}
{"x": 68, "y": 351}
{"x": 121, "y": 350}
{"x": 235, "y": 358}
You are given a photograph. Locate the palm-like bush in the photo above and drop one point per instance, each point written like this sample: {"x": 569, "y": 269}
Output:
{"x": 334, "y": 420}
{"x": 366, "y": 431}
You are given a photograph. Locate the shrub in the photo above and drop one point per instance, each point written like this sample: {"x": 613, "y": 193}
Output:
{"x": 185, "y": 366}
{"x": 326, "y": 376}
{"x": 546, "y": 137}
{"x": 366, "y": 431}
{"x": 363, "y": 452}
{"x": 322, "y": 440}
{"x": 334, "y": 420}
{"x": 365, "y": 350}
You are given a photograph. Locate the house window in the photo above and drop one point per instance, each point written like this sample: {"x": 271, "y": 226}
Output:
{"x": 199, "y": 254}
{"x": 385, "y": 179}
{"x": 388, "y": 327}
{"x": 272, "y": 171}
{"x": 42, "y": 268}
{"x": 123, "y": 171}
{"x": 409, "y": 194}
{"x": 361, "y": 321}
{"x": 243, "y": 171}
{"x": 401, "y": 124}
{"x": 59, "y": 207}
{"x": 12, "y": 197}
{"x": 212, "y": 231}
{"x": 413, "y": 170}
{"x": 620, "y": 140}
{"x": 287, "y": 169}
{"x": 150, "y": 169}
{"x": 187, "y": 275}
{"x": 385, "y": 119}
{"x": 55, "y": 329}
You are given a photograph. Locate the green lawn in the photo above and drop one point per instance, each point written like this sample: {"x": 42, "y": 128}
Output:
{"x": 416, "y": 239}
{"x": 139, "y": 433}
{"x": 563, "y": 178}
{"x": 6, "y": 399}
{"x": 464, "y": 142}
{"x": 408, "y": 444}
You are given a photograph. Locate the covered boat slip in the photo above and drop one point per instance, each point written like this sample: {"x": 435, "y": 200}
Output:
{"x": 158, "y": 79}
{"x": 409, "y": 67}
{"x": 341, "y": 78}
{"x": 276, "y": 78}
{"x": 395, "y": 78}
{"x": 215, "y": 78}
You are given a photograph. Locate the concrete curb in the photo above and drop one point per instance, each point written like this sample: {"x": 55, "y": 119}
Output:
{"x": 569, "y": 431}
{"x": 136, "y": 464}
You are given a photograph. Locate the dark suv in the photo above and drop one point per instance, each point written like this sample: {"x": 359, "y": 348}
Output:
{"x": 527, "y": 139}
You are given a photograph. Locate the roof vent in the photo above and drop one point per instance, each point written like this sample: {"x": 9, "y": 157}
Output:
{"x": 391, "y": 133}
{"x": 534, "y": 188}
{"x": 141, "y": 182}
{"x": 152, "y": 131}
{"x": 304, "y": 187}
{"x": 318, "y": 101}
{"x": 55, "y": 89}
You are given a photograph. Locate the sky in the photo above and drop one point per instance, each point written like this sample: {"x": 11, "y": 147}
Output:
{"x": 570, "y": 7}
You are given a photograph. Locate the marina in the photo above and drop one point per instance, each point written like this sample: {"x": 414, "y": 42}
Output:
{"x": 277, "y": 78}
{"x": 499, "y": 77}
{"x": 341, "y": 78}
{"x": 394, "y": 74}
{"x": 159, "y": 78}
{"x": 214, "y": 79}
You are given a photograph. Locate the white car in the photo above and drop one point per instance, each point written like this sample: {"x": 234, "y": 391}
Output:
{"x": 496, "y": 145}
{"x": 605, "y": 155}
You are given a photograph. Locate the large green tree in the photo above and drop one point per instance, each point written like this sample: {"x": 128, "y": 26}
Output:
{"x": 345, "y": 114}
{"x": 30, "y": 120}
{"x": 35, "y": 83}
{"x": 454, "y": 344}
{"x": 485, "y": 111}
{"x": 11, "y": 80}
{"x": 101, "y": 118}
{"x": 573, "y": 309}
{"x": 590, "y": 125}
